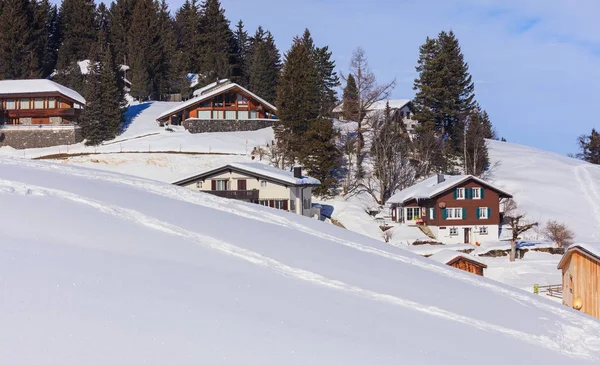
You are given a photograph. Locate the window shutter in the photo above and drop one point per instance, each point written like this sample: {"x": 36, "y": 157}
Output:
{"x": 478, "y": 215}
{"x": 455, "y": 193}
{"x": 481, "y": 192}
{"x": 489, "y": 213}
{"x": 468, "y": 193}
{"x": 285, "y": 205}
{"x": 272, "y": 203}
{"x": 444, "y": 214}
{"x": 213, "y": 185}
{"x": 464, "y": 215}
{"x": 433, "y": 213}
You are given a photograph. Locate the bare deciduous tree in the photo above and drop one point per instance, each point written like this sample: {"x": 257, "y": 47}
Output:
{"x": 518, "y": 223}
{"x": 559, "y": 233}
{"x": 369, "y": 92}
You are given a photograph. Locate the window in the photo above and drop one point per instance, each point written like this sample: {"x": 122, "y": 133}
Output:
{"x": 454, "y": 213}
{"x": 242, "y": 114}
{"x": 253, "y": 114}
{"x": 459, "y": 193}
{"x": 51, "y": 103}
{"x": 476, "y": 193}
{"x": 264, "y": 202}
{"x": 407, "y": 115}
{"x": 482, "y": 213}
{"x": 483, "y": 230}
{"x": 279, "y": 204}
{"x": 198, "y": 184}
{"x": 221, "y": 185}
{"x": 453, "y": 231}
{"x": 10, "y": 104}
{"x": 230, "y": 114}
{"x": 293, "y": 205}
{"x": 38, "y": 103}
{"x": 242, "y": 100}
{"x": 431, "y": 213}
{"x": 263, "y": 184}
{"x": 24, "y": 104}
{"x": 204, "y": 114}
{"x": 412, "y": 214}
{"x": 218, "y": 114}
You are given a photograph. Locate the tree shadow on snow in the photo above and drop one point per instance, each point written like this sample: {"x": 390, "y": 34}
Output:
{"x": 131, "y": 113}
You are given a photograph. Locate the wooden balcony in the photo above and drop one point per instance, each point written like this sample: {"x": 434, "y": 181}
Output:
{"x": 246, "y": 195}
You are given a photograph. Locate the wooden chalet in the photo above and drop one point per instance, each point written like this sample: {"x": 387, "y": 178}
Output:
{"x": 38, "y": 102}
{"x": 220, "y": 101}
{"x": 580, "y": 267}
{"x": 456, "y": 209}
{"x": 460, "y": 261}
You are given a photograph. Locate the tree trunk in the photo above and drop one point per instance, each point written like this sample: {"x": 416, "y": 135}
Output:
{"x": 513, "y": 250}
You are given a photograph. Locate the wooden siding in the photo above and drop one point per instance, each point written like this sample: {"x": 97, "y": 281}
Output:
{"x": 63, "y": 108}
{"x": 581, "y": 279}
{"x": 490, "y": 199}
{"x": 468, "y": 266}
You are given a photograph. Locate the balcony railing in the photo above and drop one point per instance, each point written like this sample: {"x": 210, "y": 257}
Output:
{"x": 249, "y": 195}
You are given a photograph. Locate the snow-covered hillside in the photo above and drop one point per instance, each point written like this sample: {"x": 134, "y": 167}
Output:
{"x": 548, "y": 186}
{"x": 101, "y": 268}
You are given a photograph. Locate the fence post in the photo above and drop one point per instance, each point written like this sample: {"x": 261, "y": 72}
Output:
{"x": 536, "y": 289}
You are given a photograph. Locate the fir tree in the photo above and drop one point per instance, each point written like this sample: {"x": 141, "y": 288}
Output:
{"x": 44, "y": 41}
{"x": 475, "y": 150}
{"x": 145, "y": 51}
{"x": 51, "y": 38}
{"x": 78, "y": 31}
{"x": 187, "y": 32}
{"x": 590, "y": 147}
{"x": 103, "y": 24}
{"x": 264, "y": 64}
{"x": 350, "y": 100}
{"x": 92, "y": 115}
{"x": 242, "y": 47}
{"x": 112, "y": 96}
{"x": 297, "y": 98}
{"x": 15, "y": 39}
{"x": 217, "y": 42}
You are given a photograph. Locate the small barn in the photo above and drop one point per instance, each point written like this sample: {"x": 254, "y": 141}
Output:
{"x": 580, "y": 267}
{"x": 460, "y": 261}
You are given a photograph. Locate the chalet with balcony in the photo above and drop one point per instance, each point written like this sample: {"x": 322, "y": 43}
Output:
{"x": 580, "y": 267}
{"x": 38, "y": 113}
{"x": 457, "y": 209}
{"x": 221, "y": 107}
{"x": 258, "y": 183}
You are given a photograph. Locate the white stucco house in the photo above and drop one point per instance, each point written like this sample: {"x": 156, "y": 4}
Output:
{"x": 258, "y": 183}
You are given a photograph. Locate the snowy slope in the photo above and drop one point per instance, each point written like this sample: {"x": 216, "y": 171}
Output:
{"x": 100, "y": 268}
{"x": 548, "y": 186}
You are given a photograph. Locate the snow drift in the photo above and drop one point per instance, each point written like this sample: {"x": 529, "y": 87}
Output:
{"x": 101, "y": 268}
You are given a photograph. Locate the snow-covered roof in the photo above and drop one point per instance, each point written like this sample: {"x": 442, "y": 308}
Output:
{"x": 380, "y": 105}
{"x": 430, "y": 187}
{"x": 20, "y": 87}
{"x": 447, "y": 256}
{"x": 210, "y": 94}
{"x": 592, "y": 249}
{"x": 210, "y": 86}
{"x": 257, "y": 169}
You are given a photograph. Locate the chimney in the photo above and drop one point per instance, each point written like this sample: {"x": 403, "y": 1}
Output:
{"x": 440, "y": 178}
{"x": 298, "y": 172}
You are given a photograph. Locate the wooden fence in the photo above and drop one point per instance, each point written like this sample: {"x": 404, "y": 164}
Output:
{"x": 554, "y": 291}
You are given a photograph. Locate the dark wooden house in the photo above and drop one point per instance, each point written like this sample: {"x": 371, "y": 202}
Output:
{"x": 460, "y": 261}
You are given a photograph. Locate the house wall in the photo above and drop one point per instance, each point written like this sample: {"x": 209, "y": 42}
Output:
{"x": 443, "y": 233}
{"x": 39, "y": 138}
{"x": 585, "y": 283}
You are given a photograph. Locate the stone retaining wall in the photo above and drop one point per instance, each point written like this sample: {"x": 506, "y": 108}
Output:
{"x": 222, "y": 125}
{"x": 39, "y": 138}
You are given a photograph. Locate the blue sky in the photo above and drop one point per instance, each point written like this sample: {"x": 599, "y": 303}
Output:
{"x": 535, "y": 62}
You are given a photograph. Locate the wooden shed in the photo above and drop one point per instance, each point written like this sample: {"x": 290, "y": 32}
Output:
{"x": 580, "y": 267}
{"x": 460, "y": 261}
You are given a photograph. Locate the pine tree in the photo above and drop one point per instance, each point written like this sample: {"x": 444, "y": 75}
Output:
{"x": 15, "y": 39}
{"x": 44, "y": 46}
{"x": 103, "y": 24}
{"x": 350, "y": 100}
{"x": 78, "y": 31}
{"x": 121, "y": 16}
{"x": 242, "y": 47}
{"x": 590, "y": 147}
{"x": 112, "y": 97}
{"x": 51, "y": 38}
{"x": 297, "y": 98}
{"x": 321, "y": 157}
{"x": 187, "y": 32}
{"x": 217, "y": 42}
{"x": 145, "y": 52}
{"x": 475, "y": 150}
{"x": 92, "y": 115}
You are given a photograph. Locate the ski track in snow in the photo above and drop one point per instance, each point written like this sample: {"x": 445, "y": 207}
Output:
{"x": 585, "y": 182}
{"x": 247, "y": 211}
{"x": 567, "y": 340}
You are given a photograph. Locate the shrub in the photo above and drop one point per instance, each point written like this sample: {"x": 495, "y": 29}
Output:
{"x": 559, "y": 233}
